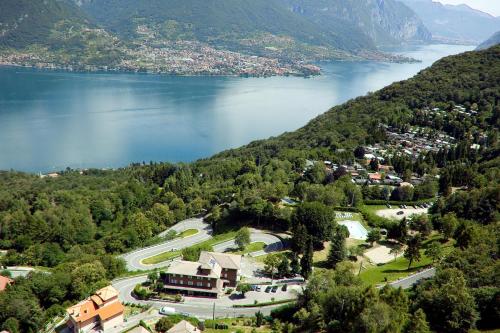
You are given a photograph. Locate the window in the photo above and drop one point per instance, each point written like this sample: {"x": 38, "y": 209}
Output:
{"x": 209, "y": 285}
{"x": 190, "y": 283}
{"x": 173, "y": 281}
{"x": 199, "y": 284}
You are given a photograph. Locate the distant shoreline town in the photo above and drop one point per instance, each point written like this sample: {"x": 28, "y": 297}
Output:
{"x": 176, "y": 58}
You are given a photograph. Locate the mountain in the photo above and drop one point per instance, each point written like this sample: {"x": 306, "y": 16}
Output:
{"x": 219, "y": 21}
{"x": 26, "y": 22}
{"x": 492, "y": 41}
{"x": 384, "y": 21}
{"x": 455, "y": 23}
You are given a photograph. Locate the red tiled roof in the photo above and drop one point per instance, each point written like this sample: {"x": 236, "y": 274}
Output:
{"x": 4, "y": 282}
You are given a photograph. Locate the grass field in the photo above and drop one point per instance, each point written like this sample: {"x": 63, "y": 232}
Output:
{"x": 188, "y": 233}
{"x": 399, "y": 268}
{"x": 253, "y": 247}
{"x": 161, "y": 257}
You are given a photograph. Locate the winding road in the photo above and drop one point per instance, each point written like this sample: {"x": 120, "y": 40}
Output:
{"x": 135, "y": 259}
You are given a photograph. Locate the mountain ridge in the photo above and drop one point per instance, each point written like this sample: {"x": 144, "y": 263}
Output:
{"x": 454, "y": 23}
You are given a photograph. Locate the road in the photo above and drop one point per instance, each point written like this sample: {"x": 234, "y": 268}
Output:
{"x": 134, "y": 259}
{"x": 411, "y": 280}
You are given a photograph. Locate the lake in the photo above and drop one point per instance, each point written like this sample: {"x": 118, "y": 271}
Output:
{"x": 51, "y": 120}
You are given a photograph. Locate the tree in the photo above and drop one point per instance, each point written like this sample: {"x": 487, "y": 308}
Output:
{"x": 447, "y": 302}
{"x": 338, "y": 250}
{"x": 412, "y": 252}
{"x": 396, "y": 250}
{"x": 271, "y": 262}
{"x": 243, "y": 288}
{"x": 373, "y": 236}
{"x": 421, "y": 224}
{"x": 163, "y": 325}
{"x": 449, "y": 223}
{"x": 434, "y": 251}
{"x": 318, "y": 220}
{"x": 153, "y": 277}
{"x": 242, "y": 238}
{"x": 259, "y": 319}
{"x": 418, "y": 323}
{"x": 464, "y": 234}
{"x": 299, "y": 238}
{"x": 284, "y": 267}
{"x": 295, "y": 264}
{"x": 359, "y": 152}
{"x": 306, "y": 262}
{"x": 11, "y": 325}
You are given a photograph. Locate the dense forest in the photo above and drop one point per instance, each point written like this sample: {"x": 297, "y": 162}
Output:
{"x": 74, "y": 224}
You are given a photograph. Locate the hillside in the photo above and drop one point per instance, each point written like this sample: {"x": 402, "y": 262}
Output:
{"x": 353, "y": 123}
{"x": 492, "y": 41}
{"x": 218, "y": 21}
{"x": 449, "y": 23}
{"x": 27, "y": 22}
{"x": 385, "y": 22}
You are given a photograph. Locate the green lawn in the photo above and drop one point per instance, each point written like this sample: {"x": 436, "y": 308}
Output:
{"x": 253, "y": 247}
{"x": 188, "y": 233}
{"x": 161, "y": 257}
{"x": 399, "y": 268}
{"x": 375, "y": 208}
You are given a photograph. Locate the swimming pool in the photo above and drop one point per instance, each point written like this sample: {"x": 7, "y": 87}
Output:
{"x": 356, "y": 229}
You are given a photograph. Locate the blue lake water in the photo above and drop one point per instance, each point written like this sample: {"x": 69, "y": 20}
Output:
{"x": 52, "y": 120}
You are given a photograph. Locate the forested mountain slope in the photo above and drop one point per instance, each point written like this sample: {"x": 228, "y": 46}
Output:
{"x": 220, "y": 21}
{"x": 27, "y": 22}
{"x": 472, "y": 77}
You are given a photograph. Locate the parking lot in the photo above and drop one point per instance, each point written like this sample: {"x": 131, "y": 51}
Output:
{"x": 400, "y": 213}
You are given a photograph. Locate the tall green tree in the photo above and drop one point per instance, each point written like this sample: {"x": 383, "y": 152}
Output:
{"x": 412, "y": 252}
{"x": 242, "y": 238}
{"x": 306, "y": 262}
{"x": 338, "y": 251}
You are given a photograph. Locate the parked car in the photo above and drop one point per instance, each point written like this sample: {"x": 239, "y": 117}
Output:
{"x": 274, "y": 289}
{"x": 268, "y": 289}
{"x": 388, "y": 206}
{"x": 401, "y": 212}
{"x": 285, "y": 287}
{"x": 258, "y": 288}
{"x": 167, "y": 311}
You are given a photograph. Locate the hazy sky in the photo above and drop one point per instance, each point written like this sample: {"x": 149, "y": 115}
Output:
{"x": 489, "y": 6}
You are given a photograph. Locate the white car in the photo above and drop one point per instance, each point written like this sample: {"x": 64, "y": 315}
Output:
{"x": 167, "y": 311}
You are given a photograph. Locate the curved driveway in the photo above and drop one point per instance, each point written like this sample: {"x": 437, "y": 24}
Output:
{"x": 134, "y": 259}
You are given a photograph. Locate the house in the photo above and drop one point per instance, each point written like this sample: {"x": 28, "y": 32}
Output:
{"x": 183, "y": 327}
{"x": 208, "y": 277}
{"x": 4, "y": 282}
{"x": 101, "y": 311}
{"x": 375, "y": 178}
